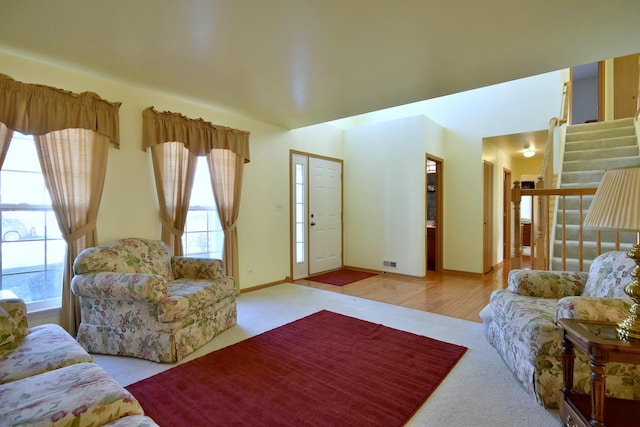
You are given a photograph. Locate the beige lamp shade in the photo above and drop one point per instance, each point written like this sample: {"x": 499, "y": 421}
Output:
{"x": 616, "y": 204}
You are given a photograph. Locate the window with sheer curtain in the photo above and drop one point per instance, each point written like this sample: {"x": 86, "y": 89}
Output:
{"x": 176, "y": 142}
{"x": 203, "y": 235}
{"x": 32, "y": 250}
{"x": 71, "y": 133}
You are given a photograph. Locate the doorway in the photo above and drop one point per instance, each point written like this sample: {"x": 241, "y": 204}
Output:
{"x": 316, "y": 214}
{"x": 588, "y": 90}
{"x": 587, "y": 99}
{"x": 487, "y": 214}
{"x": 434, "y": 217}
{"x": 625, "y": 86}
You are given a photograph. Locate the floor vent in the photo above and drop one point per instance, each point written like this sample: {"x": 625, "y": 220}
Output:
{"x": 387, "y": 263}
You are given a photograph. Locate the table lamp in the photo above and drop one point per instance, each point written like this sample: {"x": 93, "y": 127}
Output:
{"x": 616, "y": 206}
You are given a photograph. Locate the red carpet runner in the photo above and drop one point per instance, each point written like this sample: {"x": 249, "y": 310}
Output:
{"x": 341, "y": 277}
{"x": 322, "y": 370}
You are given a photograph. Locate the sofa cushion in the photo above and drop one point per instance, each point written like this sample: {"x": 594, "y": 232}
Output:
{"x": 530, "y": 321}
{"x": 8, "y": 330}
{"x": 131, "y": 255}
{"x": 188, "y": 295}
{"x": 197, "y": 268}
{"x": 594, "y": 308}
{"x": 46, "y": 347}
{"x": 81, "y": 394}
{"x": 125, "y": 286}
{"x": 545, "y": 284}
{"x": 608, "y": 275}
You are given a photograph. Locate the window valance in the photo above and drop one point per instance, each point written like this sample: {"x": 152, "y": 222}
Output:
{"x": 198, "y": 136}
{"x": 38, "y": 109}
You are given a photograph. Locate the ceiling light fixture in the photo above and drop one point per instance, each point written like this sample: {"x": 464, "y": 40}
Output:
{"x": 529, "y": 151}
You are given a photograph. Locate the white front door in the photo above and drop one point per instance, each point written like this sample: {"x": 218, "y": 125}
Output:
{"x": 325, "y": 215}
{"x": 316, "y": 196}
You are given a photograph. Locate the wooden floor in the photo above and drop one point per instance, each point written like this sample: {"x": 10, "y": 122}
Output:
{"x": 451, "y": 294}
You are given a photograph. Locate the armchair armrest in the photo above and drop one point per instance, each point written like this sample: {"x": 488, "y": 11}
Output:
{"x": 196, "y": 268}
{"x": 546, "y": 284}
{"x": 125, "y": 286}
{"x": 13, "y": 320}
{"x": 593, "y": 308}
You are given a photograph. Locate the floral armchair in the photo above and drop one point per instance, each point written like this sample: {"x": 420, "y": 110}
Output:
{"x": 136, "y": 299}
{"x": 521, "y": 323}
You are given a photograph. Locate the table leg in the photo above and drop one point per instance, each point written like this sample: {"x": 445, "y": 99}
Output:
{"x": 568, "y": 357}
{"x": 597, "y": 388}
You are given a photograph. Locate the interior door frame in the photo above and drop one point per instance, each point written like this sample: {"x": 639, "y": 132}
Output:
{"x": 292, "y": 223}
{"x": 506, "y": 213}
{"x": 439, "y": 217}
{"x": 487, "y": 202}
{"x": 601, "y": 91}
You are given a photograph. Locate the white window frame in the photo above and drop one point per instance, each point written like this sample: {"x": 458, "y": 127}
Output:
{"x": 46, "y": 232}
{"x": 209, "y": 239}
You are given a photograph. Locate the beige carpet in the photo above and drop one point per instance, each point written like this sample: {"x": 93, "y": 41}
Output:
{"x": 479, "y": 391}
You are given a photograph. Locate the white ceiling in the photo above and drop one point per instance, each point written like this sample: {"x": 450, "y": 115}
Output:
{"x": 300, "y": 62}
{"x": 514, "y": 144}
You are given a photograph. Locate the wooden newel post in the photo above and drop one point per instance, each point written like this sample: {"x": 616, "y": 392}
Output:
{"x": 540, "y": 257}
{"x": 516, "y": 198}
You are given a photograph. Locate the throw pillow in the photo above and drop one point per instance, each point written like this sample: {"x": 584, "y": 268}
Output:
{"x": 608, "y": 275}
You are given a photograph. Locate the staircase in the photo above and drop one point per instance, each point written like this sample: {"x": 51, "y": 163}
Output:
{"x": 589, "y": 150}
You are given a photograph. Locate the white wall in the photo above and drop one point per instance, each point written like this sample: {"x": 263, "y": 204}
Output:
{"x": 454, "y": 132}
{"x": 129, "y": 204}
{"x": 500, "y": 161}
{"x": 384, "y": 176}
{"x": 467, "y": 117}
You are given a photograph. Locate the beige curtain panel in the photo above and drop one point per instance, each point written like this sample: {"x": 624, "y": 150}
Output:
{"x": 174, "y": 168}
{"x": 37, "y": 110}
{"x": 72, "y": 133}
{"x": 74, "y": 165}
{"x": 226, "y": 171}
{"x": 175, "y": 142}
{"x": 5, "y": 138}
{"x": 198, "y": 136}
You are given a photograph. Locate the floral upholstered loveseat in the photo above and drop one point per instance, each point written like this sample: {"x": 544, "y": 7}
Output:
{"x": 520, "y": 322}
{"x": 48, "y": 379}
{"x": 136, "y": 299}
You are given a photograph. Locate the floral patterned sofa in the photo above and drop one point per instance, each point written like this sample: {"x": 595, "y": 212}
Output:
{"x": 520, "y": 322}
{"x": 136, "y": 299}
{"x": 47, "y": 378}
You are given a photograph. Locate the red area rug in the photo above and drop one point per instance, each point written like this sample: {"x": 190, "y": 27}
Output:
{"x": 341, "y": 277}
{"x": 325, "y": 369}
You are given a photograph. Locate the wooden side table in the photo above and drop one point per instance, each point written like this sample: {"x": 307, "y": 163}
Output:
{"x": 600, "y": 342}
